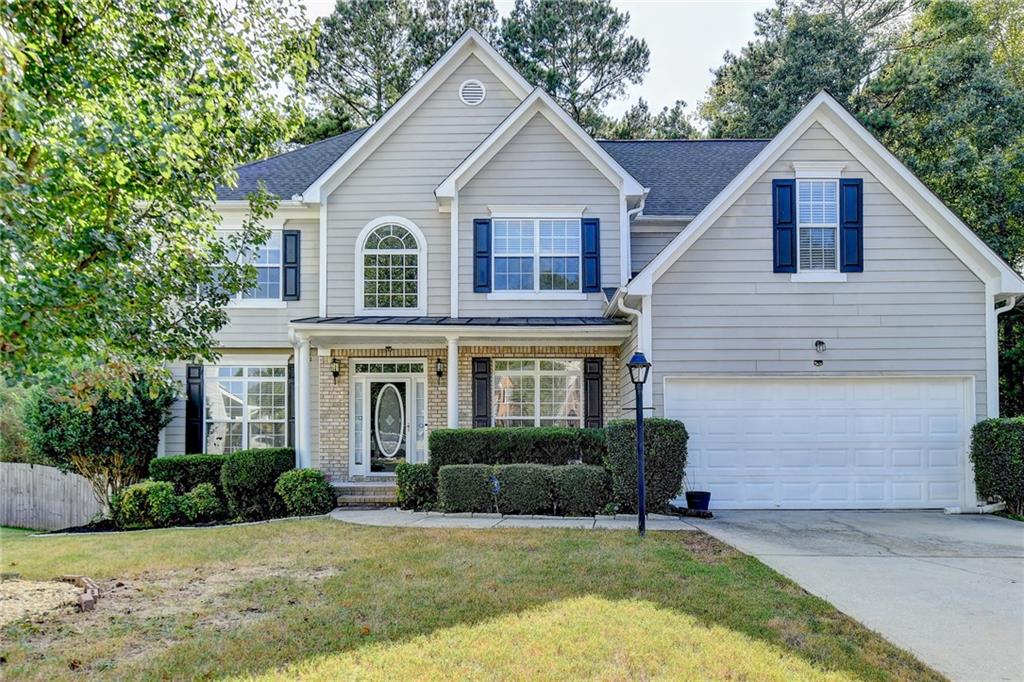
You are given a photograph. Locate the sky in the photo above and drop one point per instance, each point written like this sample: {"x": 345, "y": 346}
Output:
{"x": 687, "y": 39}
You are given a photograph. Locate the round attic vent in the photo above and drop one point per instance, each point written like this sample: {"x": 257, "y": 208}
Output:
{"x": 472, "y": 92}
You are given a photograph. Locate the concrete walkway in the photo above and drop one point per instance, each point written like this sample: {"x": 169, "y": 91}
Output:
{"x": 397, "y": 517}
{"x": 949, "y": 589}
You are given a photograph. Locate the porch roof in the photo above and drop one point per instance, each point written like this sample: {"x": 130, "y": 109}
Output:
{"x": 466, "y": 321}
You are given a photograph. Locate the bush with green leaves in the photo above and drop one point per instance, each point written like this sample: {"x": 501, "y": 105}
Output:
{"x": 185, "y": 472}
{"x": 305, "y": 492}
{"x": 997, "y": 453}
{"x": 526, "y": 445}
{"x": 417, "y": 487}
{"x": 580, "y": 489}
{"x": 248, "y": 478}
{"x": 664, "y": 456}
{"x": 149, "y": 504}
{"x": 202, "y": 504}
{"x": 524, "y": 489}
{"x": 465, "y": 488}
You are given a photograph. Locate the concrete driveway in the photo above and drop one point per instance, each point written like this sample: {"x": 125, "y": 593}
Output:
{"x": 950, "y": 589}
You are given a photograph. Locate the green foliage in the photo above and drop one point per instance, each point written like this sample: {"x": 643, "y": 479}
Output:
{"x": 185, "y": 472}
{"x": 638, "y": 123}
{"x": 202, "y": 504}
{"x": 149, "y": 504}
{"x": 1011, "y": 363}
{"x": 527, "y": 445}
{"x": 465, "y": 488}
{"x": 248, "y": 478}
{"x": 524, "y": 488}
{"x": 120, "y": 120}
{"x": 664, "y": 459}
{"x": 579, "y": 52}
{"x": 305, "y": 492}
{"x": 580, "y": 490}
{"x": 110, "y": 439}
{"x": 14, "y": 438}
{"x": 417, "y": 487}
{"x": 437, "y": 24}
{"x": 997, "y": 453}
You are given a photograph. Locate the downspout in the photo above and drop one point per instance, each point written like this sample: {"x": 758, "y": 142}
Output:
{"x": 635, "y": 313}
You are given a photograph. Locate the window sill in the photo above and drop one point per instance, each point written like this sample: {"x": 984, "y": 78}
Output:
{"x": 818, "y": 277}
{"x": 536, "y": 296}
{"x": 257, "y": 303}
{"x": 391, "y": 312}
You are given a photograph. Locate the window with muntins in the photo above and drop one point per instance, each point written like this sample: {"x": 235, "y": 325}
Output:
{"x": 817, "y": 210}
{"x": 391, "y": 269}
{"x": 536, "y": 254}
{"x": 537, "y": 392}
{"x": 245, "y": 407}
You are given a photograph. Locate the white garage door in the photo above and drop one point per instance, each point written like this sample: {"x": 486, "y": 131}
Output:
{"x": 824, "y": 443}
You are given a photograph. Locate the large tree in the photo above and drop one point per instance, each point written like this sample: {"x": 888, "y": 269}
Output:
{"x": 120, "y": 119}
{"x": 671, "y": 123}
{"x": 579, "y": 51}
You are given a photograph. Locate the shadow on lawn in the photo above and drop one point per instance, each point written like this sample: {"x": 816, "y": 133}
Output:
{"x": 417, "y": 595}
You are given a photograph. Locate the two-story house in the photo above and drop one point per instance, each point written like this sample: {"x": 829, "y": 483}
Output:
{"x": 822, "y": 323}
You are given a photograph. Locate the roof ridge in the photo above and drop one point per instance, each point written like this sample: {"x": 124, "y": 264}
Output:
{"x": 303, "y": 147}
{"x": 700, "y": 139}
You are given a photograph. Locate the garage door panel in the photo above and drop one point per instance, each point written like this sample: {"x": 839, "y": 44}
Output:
{"x": 830, "y": 442}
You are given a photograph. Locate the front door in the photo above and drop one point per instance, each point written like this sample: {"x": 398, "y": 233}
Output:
{"x": 388, "y": 417}
{"x": 389, "y": 432}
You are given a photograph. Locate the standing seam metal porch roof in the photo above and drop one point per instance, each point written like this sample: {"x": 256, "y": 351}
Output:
{"x": 467, "y": 321}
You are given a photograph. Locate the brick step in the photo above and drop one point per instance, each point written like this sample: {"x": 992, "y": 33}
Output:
{"x": 366, "y": 494}
{"x": 366, "y": 501}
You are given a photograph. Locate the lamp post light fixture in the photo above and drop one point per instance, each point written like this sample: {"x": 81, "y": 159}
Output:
{"x": 639, "y": 368}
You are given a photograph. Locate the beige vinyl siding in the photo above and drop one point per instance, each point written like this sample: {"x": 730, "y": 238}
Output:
{"x": 538, "y": 167}
{"x": 627, "y": 393}
{"x": 268, "y": 327}
{"x": 172, "y": 438}
{"x": 916, "y": 309}
{"x": 646, "y": 245}
{"x": 399, "y": 179}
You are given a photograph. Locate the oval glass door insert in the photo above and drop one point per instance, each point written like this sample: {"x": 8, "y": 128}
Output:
{"x": 389, "y": 419}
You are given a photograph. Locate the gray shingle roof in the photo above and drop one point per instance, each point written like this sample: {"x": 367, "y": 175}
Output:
{"x": 683, "y": 175}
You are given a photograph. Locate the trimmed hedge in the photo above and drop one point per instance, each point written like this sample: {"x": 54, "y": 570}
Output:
{"x": 149, "y": 504}
{"x": 997, "y": 453}
{"x": 522, "y": 445}
{"x": 202, "y": 504}
{"x": 185, "y": 472}
{"x": 580, "y": 490}
{"x": 248, "y": 478}
{"x": 664, "y": 458}
{"x": 465, "y": 488}
{"x": 417, "y": 488}
{"x": 524, "y": 488}
{"x": 305, "y": 492}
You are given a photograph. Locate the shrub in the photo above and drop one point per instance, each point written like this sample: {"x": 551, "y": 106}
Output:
{"x": 185, "y": 472}
{"x": 527, "y": 445}
{"x": 202, "y": 504}
{"x": 149, "y": 504}
{"x": 524, "y": 489}
{"x": 417, "y": 487}
{"x": 305, "y": 492}
{"x": 664, "y": 455}
{"x": 997, "y": 453}
{"x": 465, "y": 488}
{"x": 580, "y": 490}
{"x": 248, "y": 478}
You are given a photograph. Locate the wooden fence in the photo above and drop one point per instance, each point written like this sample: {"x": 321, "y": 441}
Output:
{"x": 41, "y": 497}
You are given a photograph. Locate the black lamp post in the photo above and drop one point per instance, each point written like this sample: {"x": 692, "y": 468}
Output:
{"x": 639, "y": 368}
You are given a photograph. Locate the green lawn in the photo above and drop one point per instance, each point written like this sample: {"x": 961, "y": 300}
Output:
{"x": 325, "y": 600}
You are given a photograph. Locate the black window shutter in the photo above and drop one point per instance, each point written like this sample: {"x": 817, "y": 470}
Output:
{"x": 784, "y": 225}
{"x": 482, "y": 255}
{"x": 591, "y": 254}
{"x": 481, "y": 392}
{"x": 851, "y": 225}
{"x": 290, "y": 265}
{"x": 290, "y": 402}
{"x": 593, "y": 393}
{"x": 193, "y": 409}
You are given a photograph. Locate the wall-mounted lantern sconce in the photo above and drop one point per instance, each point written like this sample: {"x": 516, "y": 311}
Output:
{"x": 335, "y": 368}
{"x": 819, "y": 346}
{"x": 439, "y": 370}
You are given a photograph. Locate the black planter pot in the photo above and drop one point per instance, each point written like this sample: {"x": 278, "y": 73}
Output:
{"x": 698, "y": 500}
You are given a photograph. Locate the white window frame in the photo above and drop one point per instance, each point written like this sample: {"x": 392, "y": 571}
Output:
{"x": 421, "y": 268}
{"x": 537, "y": 292}
{"x": 816, "y": 272}
{"x": 537, "y": 373}
{"x": 237, "y": 300}
{"x": 209, "y": 376}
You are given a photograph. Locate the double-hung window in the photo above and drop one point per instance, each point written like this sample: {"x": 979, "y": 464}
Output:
{"x": 245, "y": 407}
{"x": 537, "y": 392}
{"x": 266, "y": 258}
{"x": 817, "y": 210}
{"x": 536, "y": 254}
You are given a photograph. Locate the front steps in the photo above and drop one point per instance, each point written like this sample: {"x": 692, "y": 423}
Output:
{"x": 381, "y": 493}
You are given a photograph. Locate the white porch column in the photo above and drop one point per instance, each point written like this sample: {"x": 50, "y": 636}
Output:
{"x": 303, "y": 423}
{"x": 453, "y": 382}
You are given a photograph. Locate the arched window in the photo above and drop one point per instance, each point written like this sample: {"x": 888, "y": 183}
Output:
{"x": 391, "y": 268}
